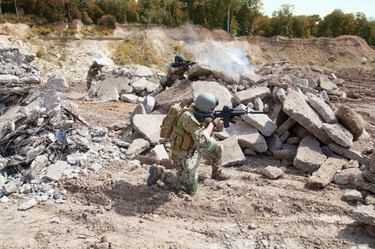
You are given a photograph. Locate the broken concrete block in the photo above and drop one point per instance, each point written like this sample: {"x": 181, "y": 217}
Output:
{"x": 353, "y": 195}
{"x": 39, "y": 163}
{"x": 274, "y": 143}
{"x": 138, "y": 146}
{"x": 324, "y": 175}
{"x": 348, "y": 153}
{"x": 346, "y": 176}
{"x": 143, "y": 71}
{"x": 251, "y": 94}
{"x": 365, "y": 215}
{"x": 272, "y": 172}
{"x": 285, "y": 126}
{"x": 232, "y": 153}
{"x": 309, "y": 155}
{"x": 351, "y": 120}
{"x": 159, "y": 152}
{"x": 297, "y": 108}
{"x": 248, "y": 137}
{"x": 322, "y": 108}
{"x": 148, "y": 126}
{"x": 261, "y": 122}
{"x": 55, "y": 171}
{"x": 326, "y": 84}
{"x": 59, "y": 82}
{"x": 27, "y": 205}
{"x": 339, "y": 134}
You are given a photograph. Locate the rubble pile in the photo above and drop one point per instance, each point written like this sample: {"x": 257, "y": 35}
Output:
{"x": 130, "y": 83}
{"x": 300, "y": 126}
{"x": 42, "y": 138}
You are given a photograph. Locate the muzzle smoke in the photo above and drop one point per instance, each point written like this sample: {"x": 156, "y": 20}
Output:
{"x": 228, "y": 58}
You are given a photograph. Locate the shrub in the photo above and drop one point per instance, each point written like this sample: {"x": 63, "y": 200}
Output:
{"x": 107, "y": 21}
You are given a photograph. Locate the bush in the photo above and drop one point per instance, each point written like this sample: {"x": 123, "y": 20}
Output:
{"x": 86, "y": 19}
{"x": 135, "y": 52}
{"x": 108, "y": 21}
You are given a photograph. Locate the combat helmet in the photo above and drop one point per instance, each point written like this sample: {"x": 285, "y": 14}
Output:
{"x": 179, "y": 58}
{"x": 206, "y": 102}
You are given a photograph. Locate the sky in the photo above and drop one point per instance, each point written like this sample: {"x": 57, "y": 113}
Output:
{"x": 322, "y": 7}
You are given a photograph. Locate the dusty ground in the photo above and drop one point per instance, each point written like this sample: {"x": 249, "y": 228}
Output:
{"x": 115, "y": 209}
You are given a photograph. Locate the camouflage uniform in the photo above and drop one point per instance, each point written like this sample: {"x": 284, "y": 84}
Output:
{"x": 91, "y": 74}
{"x": 187, "y": 160}
{"x": 173, "y": 76}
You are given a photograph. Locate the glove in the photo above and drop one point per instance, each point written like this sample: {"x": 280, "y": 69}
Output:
{"x": 218, "y": 124}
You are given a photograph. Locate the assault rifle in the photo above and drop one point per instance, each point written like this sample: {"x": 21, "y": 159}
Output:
{"x": 226, "y": 114}
{"x": 187, "y": 64}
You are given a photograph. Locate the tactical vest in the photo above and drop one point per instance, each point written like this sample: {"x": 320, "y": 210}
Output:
{"x": 181, "y": 140}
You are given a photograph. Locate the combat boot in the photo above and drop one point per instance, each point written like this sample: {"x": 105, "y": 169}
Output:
{"x": 155, "y": 174}
{"x": 220, "y": 176}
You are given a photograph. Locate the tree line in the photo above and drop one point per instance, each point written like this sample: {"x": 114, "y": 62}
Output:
{"x": 240, "y": 17}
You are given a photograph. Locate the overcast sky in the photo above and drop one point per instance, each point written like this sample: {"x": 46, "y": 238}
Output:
{"x": 322, "y": 7}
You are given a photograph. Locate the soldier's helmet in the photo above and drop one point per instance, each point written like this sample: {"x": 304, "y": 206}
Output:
{"x": 206, "y": 102}
{"x": 95, "y": 63}
{"x": 179, "y": 58}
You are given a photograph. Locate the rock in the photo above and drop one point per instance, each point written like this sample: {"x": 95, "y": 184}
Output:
{"x": 149, "y": 104}
{"x": 39, "y": 163}
{"x": 129, "y": 98}
{"x": 261, "y": 122}
{"x": 349, "y": 153}
{"x": 364, "y": 215}
{"x": 143, "y": 71}
{"x": 274, "y": 143}
{"x": 309, "y": 155}
{"x": 251, "y": 94}
{"x": 272, "y": 172}
{"x": 248, "y": 137}
{"x": 353, "y": 195}
{"x": 351, "y": 120}
{"x": 27, "y": 205}
{"x": 339, "y": 134}
{"x": 148, "y": 126}
{"x": 55, "y": 171}
{"x": 95, "y": 167}
{"x": 59, "y": 82}
{"x": 296, "y": 107}
{"x": 199, "y": 70}
{"x": 137, "y": 147}
{"x": 325, "y": 174}
{"x": 346, "y": 176}
{"x": 232, "y": 153}
{"x": 322, "y": 108}
{"x": 326, "y": 84}
{"x": 372, "y": 164}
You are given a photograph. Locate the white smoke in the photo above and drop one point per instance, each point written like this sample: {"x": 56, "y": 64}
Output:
{"x": 229, "y": 58}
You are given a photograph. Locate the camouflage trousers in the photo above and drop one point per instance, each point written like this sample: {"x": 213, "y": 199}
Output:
{"x": 88, "y": 82}
{"x": 187, "y": 173}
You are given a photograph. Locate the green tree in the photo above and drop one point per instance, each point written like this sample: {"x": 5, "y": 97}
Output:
{"x": 248, "y": 11}
{"x": 281, "y": 20}
{"x": 299, "y": 27}
{"x": 262, "y": 26}
{"x": 337, "y": 23}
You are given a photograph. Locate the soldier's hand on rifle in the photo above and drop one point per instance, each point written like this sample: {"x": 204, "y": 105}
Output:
{"x": 218, "y": 124}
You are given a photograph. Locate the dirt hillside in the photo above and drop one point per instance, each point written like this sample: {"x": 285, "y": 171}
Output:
{"x": 115, "y": 209}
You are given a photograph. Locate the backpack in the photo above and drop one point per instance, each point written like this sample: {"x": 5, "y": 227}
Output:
{"x": 170, "y": 120}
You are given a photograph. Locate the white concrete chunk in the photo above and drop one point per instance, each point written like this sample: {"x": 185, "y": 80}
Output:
{"x": 339, "y": 134}
{"x": 251, "y": 94}
{"x": 309, "y": 155}
{"x": 148, "y": 126}
{"x": 297, "y": 108}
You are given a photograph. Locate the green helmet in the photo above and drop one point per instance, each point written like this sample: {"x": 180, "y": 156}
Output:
{"x": 179, "y": 58}
{"x": 206, "y": 102}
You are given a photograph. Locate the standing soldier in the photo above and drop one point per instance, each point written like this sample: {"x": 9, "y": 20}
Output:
{"x": 190, "y": 140}
{"x": 94, "y": 70}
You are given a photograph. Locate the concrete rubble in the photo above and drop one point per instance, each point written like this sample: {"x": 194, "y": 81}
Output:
{"x": 43, "y": 138}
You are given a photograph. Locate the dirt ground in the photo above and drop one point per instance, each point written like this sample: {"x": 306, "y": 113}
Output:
{"x": 115, "y": 209}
